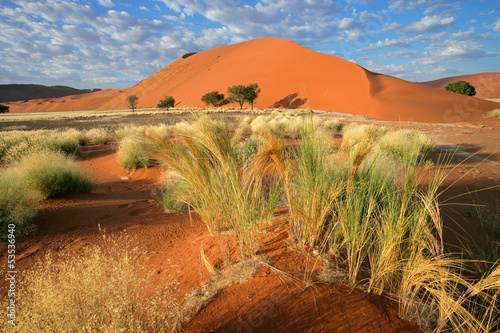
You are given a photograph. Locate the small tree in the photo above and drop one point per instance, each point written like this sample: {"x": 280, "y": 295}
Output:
{"x": 4, "y": 108}
{"x": 253, "y": 92}
{"x": 236, "y": 94}
{"x": 461, "y": 87}
{"x": 167, "y": 102}
{"x": 132, "y": 101}
{"x": 213, "y": 98}
{"x": 242, "y": 94}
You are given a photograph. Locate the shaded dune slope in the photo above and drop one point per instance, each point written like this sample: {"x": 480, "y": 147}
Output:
{"x": 291, "y": 76}
{"x": 21, "y": 92}
{"x": 89, "y": 101}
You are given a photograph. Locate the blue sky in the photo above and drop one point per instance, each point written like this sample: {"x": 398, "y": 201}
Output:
{"x": 115, "y": 43}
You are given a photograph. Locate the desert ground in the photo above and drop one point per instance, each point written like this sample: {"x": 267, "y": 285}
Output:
{"x": 147, "y": 261}
{"x": 285, "y": 293}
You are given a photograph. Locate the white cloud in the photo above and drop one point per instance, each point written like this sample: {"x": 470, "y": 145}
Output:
{"x": 426, "y": 25}
{"x": 106, "y": 3}
{"x": 52, "y": 10}
{"x": 462, "y": 50}
{"x": 496, "y": 25}
{"x": 407, "y": 5}
{"x": 401, "y": 42}
{"x": 144, "y": 8}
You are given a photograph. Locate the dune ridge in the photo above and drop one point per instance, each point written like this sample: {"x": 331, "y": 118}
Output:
{"x": 290, "y": 76}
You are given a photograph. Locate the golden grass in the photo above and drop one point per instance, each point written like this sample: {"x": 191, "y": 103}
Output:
{"x": 105, "y": 288}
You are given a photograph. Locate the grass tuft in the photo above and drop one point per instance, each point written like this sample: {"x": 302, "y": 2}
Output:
{"x": 494, "y": 114}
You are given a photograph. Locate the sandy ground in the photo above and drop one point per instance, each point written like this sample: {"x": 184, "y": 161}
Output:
{"x": 268, "y": 302}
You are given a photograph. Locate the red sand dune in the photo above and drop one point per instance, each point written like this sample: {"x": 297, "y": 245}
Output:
{"x": 487, "y": 84}
{"x": 291, "y": 76}
{"x": 89, "y": 101}
{"x": 21, "y": 92}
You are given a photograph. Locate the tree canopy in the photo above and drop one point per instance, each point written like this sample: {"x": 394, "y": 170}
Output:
{"x": 213, "y": 98}
{"x": 4, "y": 108}
{"x": 167, "y": 102}
{"x": 461, "y": 87}
{"x": 132, "y": 101}
{"x": 241, "y": 94}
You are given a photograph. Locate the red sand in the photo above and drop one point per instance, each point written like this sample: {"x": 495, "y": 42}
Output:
{"x": 289, "y": 75}
{"x": 487, "y": 84}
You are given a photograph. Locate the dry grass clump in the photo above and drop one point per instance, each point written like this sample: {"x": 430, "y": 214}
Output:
{"x": 494, "y": 114}
{"x": 406, "y": 143}
{"x": 227, "y": 195}
{"x": 32, "y": 179}
{"x": 290, "y": 124}
{"x": 15, "y": 144}
{"x": 104, "y": 288}
{"x": 372, "y": 205}
{"x": 133, "y": 152}
{"x": 18, "y": 205}
{"x": 374, "y": 213}
{"x": 98, "y": 136}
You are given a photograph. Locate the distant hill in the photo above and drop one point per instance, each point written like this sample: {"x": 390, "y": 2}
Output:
{"x": 487, "y": 84}
{"x": 289, "y": 76}
{"x": 23, "y": 92}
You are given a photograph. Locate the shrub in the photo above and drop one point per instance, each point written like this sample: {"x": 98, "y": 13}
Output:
{"x": 4, "y": 108}
{"x": 213, "y": 98}
{"x": 461, "y": 87}
{"x": 104, "y": 288}
{"x": 166, "y": 103}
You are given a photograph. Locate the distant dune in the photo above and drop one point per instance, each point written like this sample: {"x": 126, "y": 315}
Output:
{"x": 290, "y": 76}
{"x": 22, "y": 92}
{"x": 88, "y": 101}
{"x": 487, "y": 84}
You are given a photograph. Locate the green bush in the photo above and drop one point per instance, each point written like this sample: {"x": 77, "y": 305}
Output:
{"x": 166, "y": 103}
{"x": 461, "y": 87}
